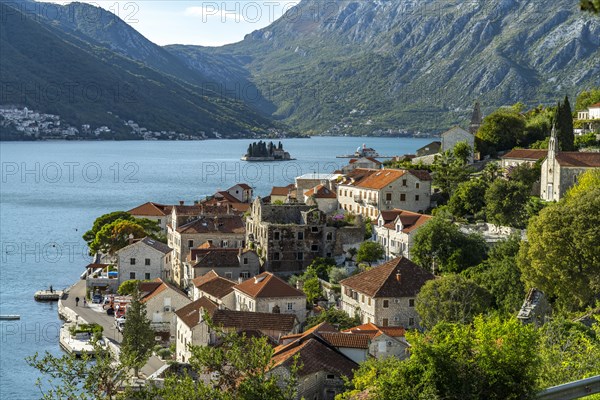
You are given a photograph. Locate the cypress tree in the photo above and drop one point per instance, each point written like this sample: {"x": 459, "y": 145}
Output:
{"x": 564, "y": 126}
{"x": 138, "y": 336}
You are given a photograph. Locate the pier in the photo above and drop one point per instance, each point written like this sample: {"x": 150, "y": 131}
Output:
{"x": 47, "y": 295}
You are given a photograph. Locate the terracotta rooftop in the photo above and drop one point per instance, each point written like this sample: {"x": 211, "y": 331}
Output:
{"x": 527, "y": 154}
{"x": 151, "y": 210}
{"x": 320, "y": 192}
{"x": 348, "y": 340}
{"x": 200, "y": 280}
{"x": 314, "y": 356}
{"x": 243, "y": 186}
{"x": 150, "y": 289}
{"x": 222, "y": 224}
{"x": 352, "y": 161}
{"x": 282, "y": 190}
{"x": 380, "y": 179}
{"x": 596, "y": 105}
{"x": 410, "y": 220}
{"x": 374, "y": 330}
{"x": 226, "y": 196}
{"x": 399, "y": 277}
{"x": 578, "y": 159}
{"x": 190, "y": 314}
{"x": 421, "y": 174}
{"x": 268, "y": 285}
{"x": 247, "y": 320}
{"x": 218, "y": 287}
{"x": 96, "y": 266}
{"x": 216, "y": 258}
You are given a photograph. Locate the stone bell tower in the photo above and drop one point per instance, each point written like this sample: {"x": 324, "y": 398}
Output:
{"x": 476, "y": 119}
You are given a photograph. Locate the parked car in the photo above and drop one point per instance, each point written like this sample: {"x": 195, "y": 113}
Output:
{"x": 120, "y": 324}
{"x": 97, "y": 298}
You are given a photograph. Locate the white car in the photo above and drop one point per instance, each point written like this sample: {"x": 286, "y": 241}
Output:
{"x": 120, "y": 324}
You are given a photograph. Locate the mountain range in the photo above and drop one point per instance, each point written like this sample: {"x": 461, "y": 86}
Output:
{"x": 339, "y": 67}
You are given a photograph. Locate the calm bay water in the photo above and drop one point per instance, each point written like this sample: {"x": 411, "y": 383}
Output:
{"x": 51, "y": 192}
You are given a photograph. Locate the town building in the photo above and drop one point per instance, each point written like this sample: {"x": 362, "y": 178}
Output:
{"x": 154, "y": 211}
{"x": 396, "y": 229}
{"x": 230, "y": 263}
{"x": 288, "y": 237}
{"x": 284, "y": 194}
{"x": 517, "y": 157}
{"x": 216, "y": 288}
{"x": 590, "y": 118}
{"x": 309, "y": 181}
{"x": 363, "y": 162}
{"x": 367, "y": 192}
{"x": 269, "y": 294}
{"x": 325, "y": 199}
{"x": 193, "y": 329}
{"x": 429, "y": 149}
{"x": 453, "y": 136}
{"x": 224, "y": 230}
{"x": 162, "y": 300}
{"x": 385, "y": 295}
{"x": 323, "y": 367}
{"x": 561, "y": 169}
{"x": 383, "y": 341}
{"x": 144, "y": 259}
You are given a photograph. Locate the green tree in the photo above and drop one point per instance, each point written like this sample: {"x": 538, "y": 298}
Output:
{"x": 439, "y": 245}
{"x": 80, "y": 377}
{"x": 564, "y": 126}
{"x": 335, "y": 317}
{"x": 587, "y": 98}
{"x": 115, "y": 236}
{"x": 451, "y": 298}
{"x": 592, "y": 6}
{"x": 312, "y": 289}
{"x": 587, "y": 140}
{"x": 468, "y": 199}
{"x": 138, "y": 336}
{"x": 463, "y": 152}
{"x": 525, "y": 173}
{"x": 561, "y": 256}
{"x": 586, "y": 182}
{"x": 489, "y": 359}
{"x": 500, "y": 275}
{"x": 128, "y": 287}
{"x": 337, "y": 274}
{"x": 448, "y": 172}
{"x": 320, "y": 267}
{"x": 370, "y": 252}
{"x": 505, "y": 203}
{"x": 501, "y": 130}
{"x": 103, "y": 220}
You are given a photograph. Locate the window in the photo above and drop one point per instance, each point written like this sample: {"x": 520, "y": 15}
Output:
{"x": 403, "y": 182}
{"x": 190, "y": 243}
{"x": 385, "y": 322}
{"x": 276, "y": 256}
{"x": 300, "y": 235}
{"x": 290, "y": 306}
{"x": 275, "y": 235}
{"x": 396, "y": 319}
{"x": 417, "y": 185}
{"x": 368, "y": 300}
{"x": 402, "y": 197}
{"x": 416, "y": 197}
{"x": 411, "y": 302}
{"x": 300, "y": 256}
{"x": 386, "y": 303}
{"x": 245, "y": 260}
{"x": 314, "y": 229}
{"x": 362, "y": 299}
{"x": 147, "y": 276}
{"x": 147, "y": 261}
{"x": 388, "y": 197}
{"x": 245, "y": 274}
{"x": 328, "y": 255}
{"x": 329, "y": 236}
{"x": 411, "y": 321}
{"x": 132, "y": 275}
{"x": 330, "y": 376}
{"x": 314, "y": 247}
{"x": 228, "y": 275}
{"x": 132, "y": 261}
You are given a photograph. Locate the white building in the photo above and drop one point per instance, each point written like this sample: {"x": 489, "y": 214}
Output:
{"x": 155, "y": 212}
{"x": 367, "y": 192}
{"x": 144, "y": 259}
{"x": 325, "y": 199}
{"x": 395, "y": 231}
{"x": 162, "y": 300}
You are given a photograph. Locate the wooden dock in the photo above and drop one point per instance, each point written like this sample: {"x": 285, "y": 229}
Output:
{"x": 46, "y": 295}
{"x": 9, "y": 317}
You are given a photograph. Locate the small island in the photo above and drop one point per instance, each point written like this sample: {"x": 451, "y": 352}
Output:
{"x": 261, "y": 151}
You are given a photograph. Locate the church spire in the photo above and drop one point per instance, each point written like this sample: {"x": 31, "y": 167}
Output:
{"x": 552, "y": 143}
{"x": 476, "y": 119}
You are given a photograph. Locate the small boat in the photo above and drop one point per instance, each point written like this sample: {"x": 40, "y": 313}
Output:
{"x": 9, "y": 317}
{"x": 47, "y": 295}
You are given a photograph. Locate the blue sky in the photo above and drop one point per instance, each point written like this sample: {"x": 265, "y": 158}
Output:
{"x": 207, "y": 23}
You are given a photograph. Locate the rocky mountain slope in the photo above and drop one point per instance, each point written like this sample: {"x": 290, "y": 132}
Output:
{"x": 359, "y": 66}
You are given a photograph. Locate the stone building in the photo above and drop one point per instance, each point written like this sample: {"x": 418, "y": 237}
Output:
{"x": 288, "y": 237}
{"x": 395, "y": 230}
{"x": 144, "y": 259}
{"x": 383, "y": 341}
{"x": 269, "y": 294}
{"x": 162, "y": 300}
{"x": 325, "y": 199}
{"x": 517, "y": 157}
{"x": 363, "y": 162}
{"x": 385, "y": 295}
{"x": 155, "y": 212}
{"x": 216, "y": 288}
{"x": 366, "y": 192}
{"x": 561, "y": 169}
{"x": 452, "y": 137}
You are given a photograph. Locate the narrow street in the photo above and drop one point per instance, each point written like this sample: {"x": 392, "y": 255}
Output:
{"x": 93, "y": 313}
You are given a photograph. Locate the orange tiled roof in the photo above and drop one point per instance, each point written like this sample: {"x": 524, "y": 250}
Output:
{"x": 218, "y": 287}
{"x": 151, "y": 209}
{"x": 223, "y": 224}
{"x": 348, "y": 340}
{"x": 200, "y": 280}
{"x": 527, "y": 154}
{"x": 410, "y": 220}
{"x": 155, "y": 287}
{"x": 243, "y": 186}
{"x": 381, "y": 178}
{"x": 374, "y": 330}
{"x": 190, "y": 314}
{"x": 578, "y": 159}
{"x": 268, "y": 285}
{"x": 596, "y": 105}
{"x": 282, "y": 190}
{"x": 320, "y": 192}
{"x": 399, "y": 277}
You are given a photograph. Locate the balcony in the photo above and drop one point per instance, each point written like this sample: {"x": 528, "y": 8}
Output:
{"x": 373, "y": 203}
{"x": 358, "y": 199}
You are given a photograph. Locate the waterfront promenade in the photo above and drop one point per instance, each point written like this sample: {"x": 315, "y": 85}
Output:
{"x": 93, "y": 313}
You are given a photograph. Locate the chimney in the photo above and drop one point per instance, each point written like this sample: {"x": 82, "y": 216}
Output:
{"x": 398, "y": 276}
{"x": 181, "y": 202}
